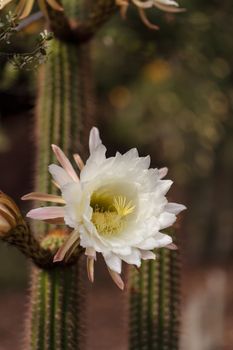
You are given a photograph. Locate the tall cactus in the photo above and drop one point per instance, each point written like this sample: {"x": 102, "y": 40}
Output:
{"x": 64, "y": 113}
{"x": 64, "y": 116}
{"x": 154, "y": 303}
{"x": 56, "y": 316}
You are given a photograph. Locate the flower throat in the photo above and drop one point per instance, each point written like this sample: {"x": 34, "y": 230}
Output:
{"x": 110, "y": 212}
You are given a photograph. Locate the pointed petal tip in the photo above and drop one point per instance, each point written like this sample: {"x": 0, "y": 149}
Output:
{"x": 94, "y": 139}
{"x": 78, "y": 161}
{"x": 163, "y": 172}
{"x": 91, "y": 278}
{"x": 27, "y": 196}
{"x": 121, "y": 286}
{"x": 117, "y": 279}
{"x": 30, "y": 214}
{"x": 172, "y": 246}
{"x": 59, "y": 256}
{"x": 94, "y": 129}
{"x": 90, "y": 269}
{"x": 56, "y": 259}
{"x": 65, "y": 163}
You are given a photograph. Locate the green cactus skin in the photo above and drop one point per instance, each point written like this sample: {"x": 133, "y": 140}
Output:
{"x": 154, "y": 303}
{"x": 64, "y": 112}
{"x": 56, "y": 319}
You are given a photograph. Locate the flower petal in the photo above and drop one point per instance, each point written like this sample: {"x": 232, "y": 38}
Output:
{"x": 163, "y": 172}
{"x": 168, "y": 7}
{"x": 44, "y": 197}
{"x": 167, "y": 2}
{"x": 46, "y": 213}
{"x": 147, "y": 255}
{"x": 147, "y": 244}
{"x": 94, "y": 140}
{"x": 4, "y": 224}
{"x": 164, "y": 186}
{"x": 171, "y": 246}
{"x": 72, "y": 193}
{"x": 91, "y": 253}
{"x": 113, "y": 262}
{"x": 133, "y": 259}
{"x": 60, "y": 175}
{"x": 117, "y": 279}
{"x": 78, "y": 161}
{"x": 61, "y": 253}
{"x": 90, "y": 269}
{"x": 143, "y": 4}
{"x": 24, "y": 8}
{"x": 65, "y": 163}
{"x": 166, "y": 219}
{"x": 162, "y": 240}
{"x": 3, "y": 3}
{"x": 55, "y": 5}
{"x": 174, "y": 208}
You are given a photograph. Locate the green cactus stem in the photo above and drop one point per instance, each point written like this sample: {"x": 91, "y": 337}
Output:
{"x": 22, "y": 239}
{"x": 65, "y": 113}
{"x": 56, "y": 314}
{"x": 154, "y": 303}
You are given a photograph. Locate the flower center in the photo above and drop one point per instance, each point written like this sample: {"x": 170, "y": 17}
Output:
{"x": 110, "y": 212}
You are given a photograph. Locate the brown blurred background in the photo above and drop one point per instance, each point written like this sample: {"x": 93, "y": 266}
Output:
{"x": 170, "y": 94}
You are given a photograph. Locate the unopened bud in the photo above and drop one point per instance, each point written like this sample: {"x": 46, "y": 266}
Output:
{"x": 10, "y": 215}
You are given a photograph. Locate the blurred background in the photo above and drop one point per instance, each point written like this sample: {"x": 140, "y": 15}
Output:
{"x": 170, "y": 94}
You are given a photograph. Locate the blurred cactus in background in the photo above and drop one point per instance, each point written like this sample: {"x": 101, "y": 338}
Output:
{"x": 65, "y": 111}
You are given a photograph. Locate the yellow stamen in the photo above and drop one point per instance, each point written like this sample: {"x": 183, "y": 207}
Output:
{"x": 110, "y": 212}
{"x": 122, "y": 207}
{"x": 107, "y": 223}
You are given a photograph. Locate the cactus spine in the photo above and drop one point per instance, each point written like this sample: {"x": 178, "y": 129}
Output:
{"x": 154, "y": 303}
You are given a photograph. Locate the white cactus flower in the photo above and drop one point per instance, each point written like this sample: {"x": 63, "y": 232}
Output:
{"x": 164, "y": 5}
{"x": 117, "y": 207}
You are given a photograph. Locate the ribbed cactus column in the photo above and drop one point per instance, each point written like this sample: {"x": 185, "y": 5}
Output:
{"x": 64, "y": 110}
{"x": 65, "y": 107}
{"x": 56, "y": 321}
{"x": 64, "y": 116}
{"x": 154, "y": 303}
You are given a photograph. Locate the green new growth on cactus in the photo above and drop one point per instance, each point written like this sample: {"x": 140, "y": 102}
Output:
{"x": 115, "y": 208}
